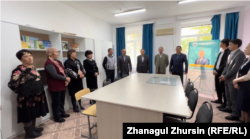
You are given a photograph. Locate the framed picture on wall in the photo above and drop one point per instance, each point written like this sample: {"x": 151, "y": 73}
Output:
{"x": 65, "y": 45}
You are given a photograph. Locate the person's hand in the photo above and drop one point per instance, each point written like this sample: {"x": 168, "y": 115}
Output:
{"x": 82, "y": 76}
{"x": 186, "y": 73}
{"x": 170, "y": 72}
{"x": 147, "y": 71}
{"x": 234, "y": 81}
{"x": 222, "y": 78}
{"x": 119, "y": 71}
{"x": 215, "y": 73}
{"x": 236, "y": 86}
{"x": 96, "y": 74}
{"x": 79, "y": 72}
{"x": 130, "y": 71}
{"x": 67, "y": 79}
{"x": 66, "y": 83}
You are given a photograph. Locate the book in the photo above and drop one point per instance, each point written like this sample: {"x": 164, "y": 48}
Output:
{"x": 28, "y": 41}
{"x": 32, "y": 41}
{"x": 75, "y": 46}
{"x": 65, "y": 45}
{"x": 46, "y": 44}
{"x": 24, "y": 45}
{"x": 24, "y": 38}
{"x": 40, "y": 44}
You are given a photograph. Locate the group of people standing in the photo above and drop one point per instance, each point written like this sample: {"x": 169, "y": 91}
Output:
{"x": 26, "y": 81}
{"x": 232, "y": 80}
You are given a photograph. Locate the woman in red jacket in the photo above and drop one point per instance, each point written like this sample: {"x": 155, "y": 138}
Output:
{"x": 57, "y": 83}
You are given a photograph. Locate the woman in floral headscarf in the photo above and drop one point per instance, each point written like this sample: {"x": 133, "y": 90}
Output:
{"x": 57, "y": 84}
{"x": 31, "y": 99}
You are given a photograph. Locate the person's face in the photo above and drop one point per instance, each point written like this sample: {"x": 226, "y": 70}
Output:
{"x": 73, "y": 55}
{"x": 247, "y": 50}
{"x": 222, "y": 45}
{"x": 27, "y": 59}
{"x": 160, "y": 50}
{"x": 142, "y": 52}
{"x": 232, "y": 46}
{"x": 90, "y": 56}
{"x": 178, "y": 49}
{"x": 55, "y": 54}
{"x": 111, "y": 52}
{"x": 123, "y": 52}
{"x": 201, "y": 54}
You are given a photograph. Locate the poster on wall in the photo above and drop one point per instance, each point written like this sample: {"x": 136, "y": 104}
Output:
{"x": 202, "y": 56}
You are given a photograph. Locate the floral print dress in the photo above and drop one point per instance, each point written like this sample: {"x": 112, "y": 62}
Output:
{"x": 28, "y": 107}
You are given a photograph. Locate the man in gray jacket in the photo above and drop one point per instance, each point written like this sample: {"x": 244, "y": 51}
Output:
{"x": 109, "y": 65}
{"x": 142, "y": 63}
{"x": 124, "y": 64}
{"x": 235, "y": 60}
{"x": 161, "y": 62}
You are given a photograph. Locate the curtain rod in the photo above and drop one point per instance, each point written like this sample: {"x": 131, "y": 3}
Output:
{"x": 195, "y": 25}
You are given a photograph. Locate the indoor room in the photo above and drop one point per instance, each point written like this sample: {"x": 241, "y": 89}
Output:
{"x": 82, "y": 69}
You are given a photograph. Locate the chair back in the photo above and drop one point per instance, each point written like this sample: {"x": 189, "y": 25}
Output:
{"x": 189, "y": 88}
{"x": 205, "y": 113}
{"x": 192, "y": 100}
{"x": 106, "y": 82}
{"x": 81, "y": 93}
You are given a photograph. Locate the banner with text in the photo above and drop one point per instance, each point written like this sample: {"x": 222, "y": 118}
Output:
{"x": 202, "y": 56}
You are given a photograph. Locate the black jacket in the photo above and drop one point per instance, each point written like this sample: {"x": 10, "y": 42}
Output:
{"x": 223, "y": 62}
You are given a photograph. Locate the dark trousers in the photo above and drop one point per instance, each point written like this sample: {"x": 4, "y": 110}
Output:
{"x": 179, "y": 74}
{"x": 58, "y": 99}
{"x": 110, "y": 75}
{"x": 73, "y": 101}
{"x": 220, "y": 90}
{"x": 121, "y": 74}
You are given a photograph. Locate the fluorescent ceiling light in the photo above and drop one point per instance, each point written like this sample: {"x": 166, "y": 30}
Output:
{"x": 130, "y": 12}
{"x": 186, "y": 1}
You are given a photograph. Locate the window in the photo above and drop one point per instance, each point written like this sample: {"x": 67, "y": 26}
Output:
{"x": 196, "y": 33}
{"x": 133, "y": 38}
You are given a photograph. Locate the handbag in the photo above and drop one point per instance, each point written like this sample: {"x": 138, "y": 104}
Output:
{"x": 31, "y": 87}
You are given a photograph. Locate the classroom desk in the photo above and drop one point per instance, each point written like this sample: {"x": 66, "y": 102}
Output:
{"x": 133, "y": 100}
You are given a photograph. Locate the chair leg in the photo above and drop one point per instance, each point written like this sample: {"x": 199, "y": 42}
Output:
{"x": 89, "y": 127}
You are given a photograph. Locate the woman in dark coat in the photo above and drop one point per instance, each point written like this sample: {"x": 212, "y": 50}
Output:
{"x": 26, "y": 82}
{"x": 75, "y": 71}
{"x": 91, "y": 71}
{"x": 242, "y": 82}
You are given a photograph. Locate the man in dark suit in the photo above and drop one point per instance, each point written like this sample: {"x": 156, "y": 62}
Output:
{"x": 176, "y": 63}
{"x": 218, "y": 69}
{"x": 124, "y": 64}
{"x": 142, "y": 63}
{"x": 234, "y": 62}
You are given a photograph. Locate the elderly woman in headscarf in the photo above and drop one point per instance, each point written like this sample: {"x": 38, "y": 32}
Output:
{"x": 26, "y": 82}
{"x": 57, "y": 84}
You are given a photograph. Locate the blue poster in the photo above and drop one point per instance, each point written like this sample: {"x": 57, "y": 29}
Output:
{"x": 202, "y": 56}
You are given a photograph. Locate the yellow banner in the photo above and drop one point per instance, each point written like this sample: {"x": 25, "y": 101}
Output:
{"x": 199, "y": 65}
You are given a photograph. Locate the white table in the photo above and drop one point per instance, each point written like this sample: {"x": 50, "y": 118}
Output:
{"x": 133, "y": 100}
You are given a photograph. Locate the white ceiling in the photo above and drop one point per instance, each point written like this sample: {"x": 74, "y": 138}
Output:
{"x": 105, "y": 10}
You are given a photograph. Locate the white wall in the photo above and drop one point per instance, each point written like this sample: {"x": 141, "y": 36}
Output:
{"x": 45, "y": 15}
{"x": 56, "y": 16}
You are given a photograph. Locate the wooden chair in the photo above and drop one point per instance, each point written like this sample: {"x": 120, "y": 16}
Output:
{"x": 90, "y": 111}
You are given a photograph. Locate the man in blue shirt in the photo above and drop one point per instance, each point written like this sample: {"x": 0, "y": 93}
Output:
{"x": 176, "y": 63}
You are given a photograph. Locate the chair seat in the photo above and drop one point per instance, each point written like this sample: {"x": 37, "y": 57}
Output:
{"x": 90, "y": 111}
{"x": 171, "y": 120}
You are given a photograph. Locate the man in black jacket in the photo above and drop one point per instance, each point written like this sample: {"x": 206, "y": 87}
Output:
{"x": 142, "y": 63}
{"x": 218, "y": 69}
{"x": 124, "y": 65}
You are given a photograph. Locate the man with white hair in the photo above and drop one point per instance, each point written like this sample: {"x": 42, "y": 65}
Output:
{"x": 161, "y": 62}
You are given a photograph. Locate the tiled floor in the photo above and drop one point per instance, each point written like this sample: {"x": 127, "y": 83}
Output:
{"x": 76, "y": 124}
